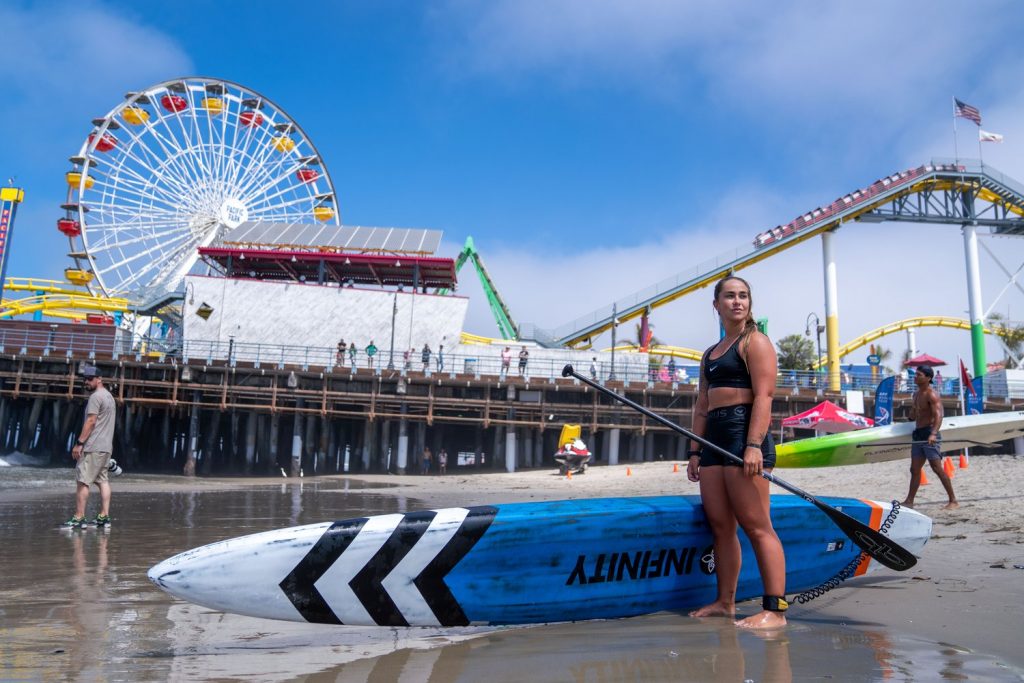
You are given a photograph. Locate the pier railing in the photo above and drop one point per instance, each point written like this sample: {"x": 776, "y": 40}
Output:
{"x": 543, "y": 364}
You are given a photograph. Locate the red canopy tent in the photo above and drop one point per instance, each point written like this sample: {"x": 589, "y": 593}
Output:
{"x": 924, "y": 360}
{"x": 828, "y": 417}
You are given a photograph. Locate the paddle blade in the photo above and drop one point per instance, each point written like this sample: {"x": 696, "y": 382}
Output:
{"x": 876, "y": 544}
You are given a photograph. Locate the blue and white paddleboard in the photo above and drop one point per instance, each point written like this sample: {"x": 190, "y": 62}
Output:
{"x": 519, "y": 563}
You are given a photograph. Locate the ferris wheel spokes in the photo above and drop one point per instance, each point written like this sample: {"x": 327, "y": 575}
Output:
{"x": 177, "y": 164}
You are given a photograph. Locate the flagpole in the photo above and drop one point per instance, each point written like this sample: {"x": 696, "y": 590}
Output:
{"x": 963, "y": 405}
{"x": 963, "y": 392}
{"x": 980, "y": 158}
{"x": 956, "y": 152}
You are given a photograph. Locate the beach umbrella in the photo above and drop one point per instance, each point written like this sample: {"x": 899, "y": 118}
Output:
{"x": 828, "y": 417}
{"x": 924, "y": 360}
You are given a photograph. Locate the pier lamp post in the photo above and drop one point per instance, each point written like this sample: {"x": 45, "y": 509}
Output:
{"x": 394, "y": 312}
{"x": 615, "y": 324}
{"x": 819, "y": 328}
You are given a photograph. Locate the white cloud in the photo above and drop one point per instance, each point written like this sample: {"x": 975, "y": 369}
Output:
{"x": 876, "y": 57}
{"x": 65, "y": 64}
{"x": 72, "y": 63}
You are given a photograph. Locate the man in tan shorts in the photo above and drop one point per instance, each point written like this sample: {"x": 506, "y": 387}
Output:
{"x": 93, "y": 448}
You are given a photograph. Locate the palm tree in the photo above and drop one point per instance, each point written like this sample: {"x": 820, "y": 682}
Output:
{"x": 795, "y": 352}
{"x": 885, "y": 355}
{"x": 1011, "y": 336}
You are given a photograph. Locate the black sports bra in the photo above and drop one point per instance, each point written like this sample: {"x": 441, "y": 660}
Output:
{"x": 728, "y": 370}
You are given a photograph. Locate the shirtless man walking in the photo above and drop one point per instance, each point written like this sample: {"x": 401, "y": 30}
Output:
{"x": 927, "y": 413}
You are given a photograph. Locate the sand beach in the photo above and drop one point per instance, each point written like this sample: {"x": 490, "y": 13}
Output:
{"x": 954, "y": 616}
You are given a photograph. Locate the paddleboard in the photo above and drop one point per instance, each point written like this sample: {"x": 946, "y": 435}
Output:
{"x": 519, "y": 563}
{"x": 892, "y": 442}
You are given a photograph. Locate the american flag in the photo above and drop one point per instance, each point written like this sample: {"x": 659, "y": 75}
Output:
{"x": 966, "y": 111}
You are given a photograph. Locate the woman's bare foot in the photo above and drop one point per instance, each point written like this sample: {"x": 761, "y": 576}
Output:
{"x": 908, "y": 503}
{"x": 763, "y": 620}
{"x": 716, "y": 609}
{"x": 951, "y": 505}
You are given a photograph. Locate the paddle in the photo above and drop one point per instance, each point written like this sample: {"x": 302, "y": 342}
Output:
{"x": 874, "y": 543}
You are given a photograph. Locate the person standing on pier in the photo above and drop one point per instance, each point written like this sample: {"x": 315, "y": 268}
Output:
{"x": 524, "y": 357}
{"x": 440, "y": 357}
{"x": 371, "y": 351}
{"x": 506, "y": 361}
{"x": 425, "y": 357}
{"x": 341, "y": 353}
{"x": 92, "y": 450}
{"x": 352, "y": 351}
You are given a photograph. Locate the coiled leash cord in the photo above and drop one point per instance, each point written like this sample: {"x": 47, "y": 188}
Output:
{"x": 849, "y": 570}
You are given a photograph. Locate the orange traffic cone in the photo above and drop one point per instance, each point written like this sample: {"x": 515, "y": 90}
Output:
{"x": 947, "y": 467}
{"x": 629, "y": 472}
{"x": 568, "y": 474}
{"x": 963, "y": 461}
{"x": 924, "y": 478}
{"x": 675, "y": 467}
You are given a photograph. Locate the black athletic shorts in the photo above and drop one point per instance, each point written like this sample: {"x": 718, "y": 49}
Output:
{"x": 920, "y": 448}
{"x": 727, "y": 427}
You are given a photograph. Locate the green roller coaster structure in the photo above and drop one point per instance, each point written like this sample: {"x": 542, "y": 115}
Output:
{"x": 506, "y": 325}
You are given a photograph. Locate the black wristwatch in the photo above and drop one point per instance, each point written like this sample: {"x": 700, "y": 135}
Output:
{"x": 694, "y": 454}
{"x": 80, "y": 442}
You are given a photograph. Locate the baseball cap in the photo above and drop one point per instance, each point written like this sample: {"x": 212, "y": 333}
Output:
{"x": 90, "y": 371}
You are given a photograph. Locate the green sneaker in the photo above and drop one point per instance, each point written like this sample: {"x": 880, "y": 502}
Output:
{"x": 74, "y": 523}
{"x": 102, "y": 520}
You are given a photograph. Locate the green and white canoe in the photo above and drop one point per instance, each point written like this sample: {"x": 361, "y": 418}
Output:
{"x": 892, "y": 442}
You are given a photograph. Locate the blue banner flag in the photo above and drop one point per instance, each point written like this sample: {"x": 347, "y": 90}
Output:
{"x": 883, "y": 401}
{"x": 976, "y": 401}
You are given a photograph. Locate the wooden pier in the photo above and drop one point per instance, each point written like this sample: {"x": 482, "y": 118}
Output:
{"x": 229, "y": 419}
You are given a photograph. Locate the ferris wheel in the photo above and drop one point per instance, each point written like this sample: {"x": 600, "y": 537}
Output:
{"x": 173, "y": 168}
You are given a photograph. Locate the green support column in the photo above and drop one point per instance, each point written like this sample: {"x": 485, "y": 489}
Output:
{"x": 974, "y": 297}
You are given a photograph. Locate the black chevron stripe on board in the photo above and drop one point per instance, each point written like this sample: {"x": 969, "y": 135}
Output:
{"x": 300, "y": 586}
{"x": 431, "y": 582}
{"x": 367, "y": 583}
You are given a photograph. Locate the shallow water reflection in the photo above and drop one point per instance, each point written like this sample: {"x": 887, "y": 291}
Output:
{"x": 76, "y": 605}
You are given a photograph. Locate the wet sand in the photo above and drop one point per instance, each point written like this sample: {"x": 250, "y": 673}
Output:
{"x": 76, "y": 605}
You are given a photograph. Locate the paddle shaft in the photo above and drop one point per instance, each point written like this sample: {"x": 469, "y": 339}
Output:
{"x": 869, "y": 540}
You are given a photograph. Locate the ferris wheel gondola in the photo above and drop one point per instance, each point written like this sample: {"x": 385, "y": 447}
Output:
{"x": 174, "y": 167}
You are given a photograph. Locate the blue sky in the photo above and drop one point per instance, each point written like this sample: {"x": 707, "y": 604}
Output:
{"x": 616, "y": 143}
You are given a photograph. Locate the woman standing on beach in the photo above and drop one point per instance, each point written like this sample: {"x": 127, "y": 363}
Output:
{"x": 733, "y": 410}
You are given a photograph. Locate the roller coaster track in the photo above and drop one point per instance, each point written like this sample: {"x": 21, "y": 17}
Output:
{"x": 56, "y": 299}
{"x": 69, "y": 306}
{"x": 940, "y": 192}
{"x": 900, "y": 326}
